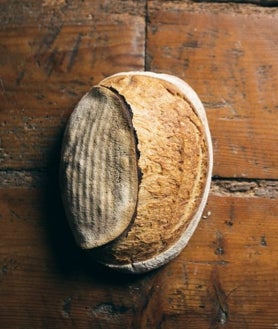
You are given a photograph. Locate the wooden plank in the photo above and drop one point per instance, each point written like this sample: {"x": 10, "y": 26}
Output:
{"x": 77, "y": 12}
{"x": 229, "y": 56}
{"x": 226, "y": 274}
{"x": 51, "y": 52}
{"x": 50, "y": 55}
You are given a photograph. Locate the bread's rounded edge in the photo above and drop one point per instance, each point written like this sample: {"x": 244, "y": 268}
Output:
{"x": 174, "y": 250}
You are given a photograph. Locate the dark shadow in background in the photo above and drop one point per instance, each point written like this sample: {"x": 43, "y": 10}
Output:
{"x": 70, "y": 260}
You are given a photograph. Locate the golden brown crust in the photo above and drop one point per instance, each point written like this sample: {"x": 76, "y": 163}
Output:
{"x": 173, "y": 161}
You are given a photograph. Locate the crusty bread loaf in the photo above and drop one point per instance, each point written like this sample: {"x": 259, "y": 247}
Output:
{"x": 175, "y": 161}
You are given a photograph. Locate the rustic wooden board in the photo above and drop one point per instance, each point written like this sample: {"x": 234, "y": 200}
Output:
{"x": 50, "y": 56}
{"x": 51, "y": 52}
{"x": 229, "y": 56}
{"x": 226, "y": 275}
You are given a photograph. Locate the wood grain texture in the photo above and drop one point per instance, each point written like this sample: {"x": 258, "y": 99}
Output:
{"x": 226, "y": 275}
{"x": 44, "y": 72}
{"x": 228, "y": 55}
{"x": 51, "y": 52}
{"x": 50, "y": 56}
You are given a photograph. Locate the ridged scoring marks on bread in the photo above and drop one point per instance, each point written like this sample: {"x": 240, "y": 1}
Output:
{"x": 99, "y": 173}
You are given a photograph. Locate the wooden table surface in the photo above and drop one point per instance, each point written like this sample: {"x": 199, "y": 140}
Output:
{"x": 51, "y": 53}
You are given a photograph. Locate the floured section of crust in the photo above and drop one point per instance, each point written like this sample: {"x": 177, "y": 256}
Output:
{"x": 99, "y": 173}
{"x": 174, "y": 162}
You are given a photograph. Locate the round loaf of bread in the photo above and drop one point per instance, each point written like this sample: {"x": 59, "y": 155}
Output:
{"x": 135, "y": 183}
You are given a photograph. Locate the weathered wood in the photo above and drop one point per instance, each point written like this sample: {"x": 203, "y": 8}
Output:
{"x": 51, "y": 52}
{"x": 44, "y": 72}
{"x": 226, "y": 274}
{"x": 228, "y": 55}
{"x": 49, "y": 57}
